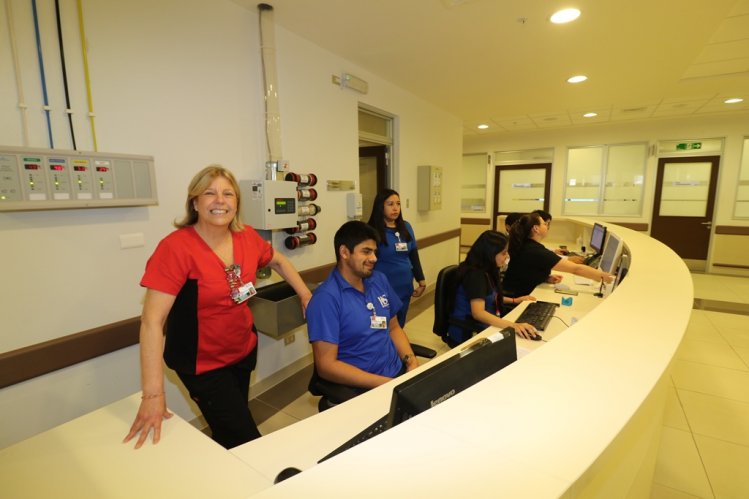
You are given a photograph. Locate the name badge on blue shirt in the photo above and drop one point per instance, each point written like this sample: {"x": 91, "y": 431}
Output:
{"x": 401, "y": 246}
{"x": 378, "y": 322}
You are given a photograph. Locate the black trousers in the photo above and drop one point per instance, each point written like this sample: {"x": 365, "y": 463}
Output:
{"x": 222, "y": 396}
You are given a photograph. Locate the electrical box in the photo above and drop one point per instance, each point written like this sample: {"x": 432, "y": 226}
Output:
{"x": 429, "y": 188}
{"x": 268, "y": 204}
{"x": 354, "y": 205}
{"x": 49, "y": 179}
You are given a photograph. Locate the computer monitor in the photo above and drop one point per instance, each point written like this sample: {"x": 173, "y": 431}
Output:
{"x": 597, "y": 237}
{"x": 621, "y": 272}
{"x": 442, "y": 381}
{"x": 611, "y": 254}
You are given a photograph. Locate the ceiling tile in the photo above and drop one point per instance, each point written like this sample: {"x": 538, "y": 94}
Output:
{"x": 734, "y": 66}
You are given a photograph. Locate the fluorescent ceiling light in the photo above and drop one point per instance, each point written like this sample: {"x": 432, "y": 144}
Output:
{"x": 577, "y": 79}
{"x": 483, "y": 126}
{"x": 590, "y": 115}
{"x": 734, "y": 100}
{"x": 564, "y": 16}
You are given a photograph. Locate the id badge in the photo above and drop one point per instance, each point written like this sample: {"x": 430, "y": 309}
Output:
{"x": 243, "y": 293}
{"x": 378, "y": 322}
{"x": 401, "y": 246}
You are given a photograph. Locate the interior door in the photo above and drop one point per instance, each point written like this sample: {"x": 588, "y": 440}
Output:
{"x": 373, "y": 173}
{"x": 520, "y": 188}
{"x": 683, "y": 206}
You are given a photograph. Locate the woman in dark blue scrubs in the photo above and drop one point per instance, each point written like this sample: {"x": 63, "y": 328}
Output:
{"x": 479, "y": 292}
{"x": 397, "y": 255}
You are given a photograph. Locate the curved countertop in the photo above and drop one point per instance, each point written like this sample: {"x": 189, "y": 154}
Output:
{"x": 579, "y": 416}
{"x": 576, "y": 416}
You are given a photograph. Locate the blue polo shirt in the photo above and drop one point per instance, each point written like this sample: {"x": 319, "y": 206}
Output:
{"x": 396, "y": 265}
{"x": 338, "y": 314}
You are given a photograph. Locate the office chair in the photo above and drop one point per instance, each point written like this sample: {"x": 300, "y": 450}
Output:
{"x": 332, "y": 394}
{"x": 444, "y": 301}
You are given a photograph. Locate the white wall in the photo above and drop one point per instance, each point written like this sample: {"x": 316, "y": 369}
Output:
{"x": 732, "y": 127}
{"x": 179, "y": 80}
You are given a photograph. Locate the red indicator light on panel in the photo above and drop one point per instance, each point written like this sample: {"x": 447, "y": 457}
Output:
{"x": 31, "y": 167}
{"x": 57, "y": 168}
{"x": 102, "y": 169}
{"x": 80, "y": 168}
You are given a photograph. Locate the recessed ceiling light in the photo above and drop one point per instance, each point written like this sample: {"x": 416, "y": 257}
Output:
{"x": 577, "y": 79}
{"x": 590, "y": 115}
{"x": 564, "y": 16}
{"x": 483, "y": 126}
{"x": 734, "y": 100}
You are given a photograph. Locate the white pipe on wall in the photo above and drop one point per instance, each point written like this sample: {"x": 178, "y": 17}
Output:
{"x": 270, "y": 78}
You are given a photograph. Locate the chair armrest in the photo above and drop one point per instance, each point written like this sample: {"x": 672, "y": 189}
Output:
{"x": 422, "y": 351}
{"x": 335, "y": 392}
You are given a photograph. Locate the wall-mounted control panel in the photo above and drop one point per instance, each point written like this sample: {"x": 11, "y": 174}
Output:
{"x": 268, "y": 204}
{"x": 429, "y": 188}
{"x": 50, "y": 179}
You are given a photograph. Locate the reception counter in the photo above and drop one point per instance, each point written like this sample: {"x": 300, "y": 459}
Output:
{"x": 578, "y": 415}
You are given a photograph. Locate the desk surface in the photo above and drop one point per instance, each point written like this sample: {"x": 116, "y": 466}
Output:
{"x": 83, "y": 458}
{"x": 536, "y": 429}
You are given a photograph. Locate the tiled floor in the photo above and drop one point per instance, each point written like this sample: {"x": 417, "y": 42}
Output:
{"x": 704, "y": 450}
{"x": 705, "y": 442}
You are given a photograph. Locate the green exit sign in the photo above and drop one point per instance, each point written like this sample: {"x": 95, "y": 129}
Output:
{"x": 687, "y": 146}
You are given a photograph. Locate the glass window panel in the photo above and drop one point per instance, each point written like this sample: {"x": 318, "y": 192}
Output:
{"x": 521, "y": 190}
{"x": 374, "y": 124}
{"x": 622, "y": 167}
{"x": 583, "y": 181}
{"x": 742, "y": 193}
{"x": 625, "y": 171}
{"x": 473, "y": 188}
{"x": 685, "y": 189}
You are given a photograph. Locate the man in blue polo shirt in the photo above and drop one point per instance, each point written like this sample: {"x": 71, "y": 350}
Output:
{"x": 351, "y": 319}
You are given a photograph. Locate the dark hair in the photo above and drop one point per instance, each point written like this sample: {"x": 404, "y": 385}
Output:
{"x": 352, "y": 234}
{"x": 483, "y": 256}
{"x": 520, "y": 231}
{"x": 377, "y": 218}
{"x": 511, "y": 218}
{"x": 545, "y": 215}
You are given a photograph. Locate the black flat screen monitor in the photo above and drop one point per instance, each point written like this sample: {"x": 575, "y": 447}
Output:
{"x": 439, "y": 383}
{"x": 597, "y": 237}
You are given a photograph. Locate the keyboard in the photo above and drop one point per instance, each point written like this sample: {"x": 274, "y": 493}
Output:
{"x": 592, "y": 260}
{"x": 370, "y": 431}
{"x": 538, "y": 313}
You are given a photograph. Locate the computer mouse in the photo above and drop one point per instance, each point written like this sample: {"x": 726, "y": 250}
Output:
{"x": 536, "y": 337}
{"x": 286, "y": 473}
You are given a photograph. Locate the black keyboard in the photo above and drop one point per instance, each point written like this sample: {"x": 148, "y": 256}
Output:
{"x": 370, "y": 431}
{"x": 538, "y": 313}
{"x": 592, "y": 260}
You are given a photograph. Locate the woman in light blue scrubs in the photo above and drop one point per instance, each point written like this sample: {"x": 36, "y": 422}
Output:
{"x": 397, "y": 255}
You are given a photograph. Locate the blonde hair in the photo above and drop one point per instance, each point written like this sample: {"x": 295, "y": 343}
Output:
{"x": 199, "y": 183}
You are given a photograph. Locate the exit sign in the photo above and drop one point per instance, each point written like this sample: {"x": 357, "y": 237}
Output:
{"x": 687, "y": 146}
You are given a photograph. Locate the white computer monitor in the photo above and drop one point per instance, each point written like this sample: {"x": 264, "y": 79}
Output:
{"x": 612, "y": 252}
